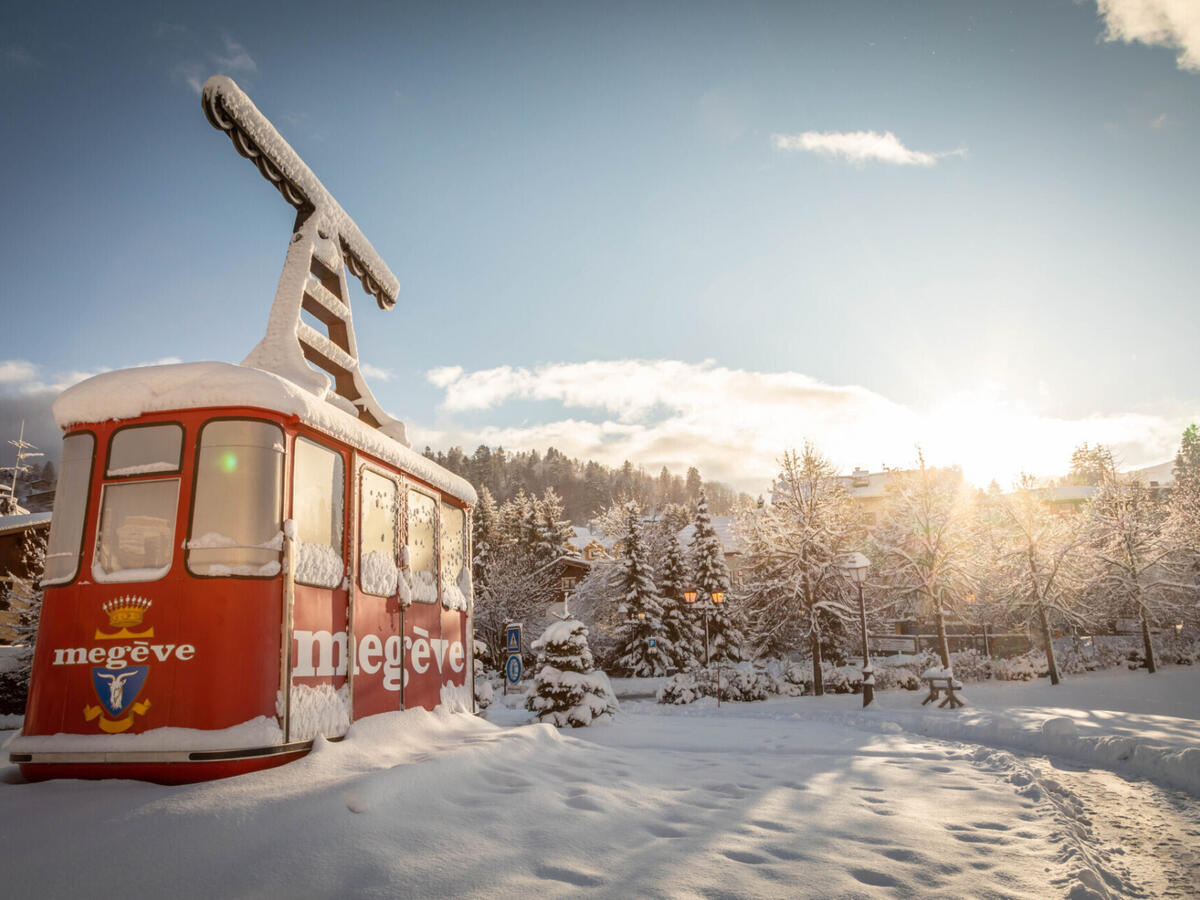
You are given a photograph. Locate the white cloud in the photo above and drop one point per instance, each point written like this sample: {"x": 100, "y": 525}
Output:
{"x": 16, "y": 370}
{"x": 733, "y": 424}
{"x": 860, "y": 147}
{"x": 235, "y": 58}
{"x": 1166, "y": 23}
{"x": 375, "y": 373}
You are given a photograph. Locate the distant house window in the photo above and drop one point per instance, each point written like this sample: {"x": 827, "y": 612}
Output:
{"x": 568, "y": 584}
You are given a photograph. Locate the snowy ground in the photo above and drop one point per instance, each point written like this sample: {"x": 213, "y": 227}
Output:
{"x": 799, "y": 797}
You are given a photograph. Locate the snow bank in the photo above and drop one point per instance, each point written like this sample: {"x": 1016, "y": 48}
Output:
{"x": 259, "y": 732}
{"x": 134, "y": 392}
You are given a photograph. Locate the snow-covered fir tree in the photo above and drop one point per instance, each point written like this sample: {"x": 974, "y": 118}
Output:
{"x": 484, "y": 523}
{"x": 1183, "y": 514}
{"x": 679, "y": 624}
{"x": 793, "y": 580}
{"x": 710, "y": 575}
{"x": 639, "y": 616}
{"x": 567, "y": 689}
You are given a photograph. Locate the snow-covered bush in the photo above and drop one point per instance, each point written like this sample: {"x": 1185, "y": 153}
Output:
{"x": 1180, "y": 648}
{"x": 568, "y": 690}
{"x": 895, "y": 678}
{"x": 1025, "y": 667}
{"x": 484, "y": 691}
{"x": 744, "y": 682}
{"x": 680, "y": 689}
{"x": 971, "y": 665}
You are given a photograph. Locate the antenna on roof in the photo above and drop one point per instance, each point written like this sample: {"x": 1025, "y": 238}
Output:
{"x": 325, "y": 241}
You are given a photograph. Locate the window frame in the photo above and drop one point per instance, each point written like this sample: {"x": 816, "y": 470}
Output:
{"x": 398, "y": 533}
{"x": 178, "y": 470}
{"x": 191, "y": 512}
{"x": 87, "y": 507}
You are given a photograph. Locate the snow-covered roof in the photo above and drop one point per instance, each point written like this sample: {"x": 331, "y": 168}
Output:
{"x": 875, "y": 485}
{"x": 1163, "y": 473}
{"x": 584, "y": 536}
{"x": 10, "y": 524}
{"x": 1067, "y": 493}
{"x": 723, "y": 526}
{"x": 129, "y": 393}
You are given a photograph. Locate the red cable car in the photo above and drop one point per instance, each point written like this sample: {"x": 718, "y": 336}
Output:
{"x": 244, "y": 557}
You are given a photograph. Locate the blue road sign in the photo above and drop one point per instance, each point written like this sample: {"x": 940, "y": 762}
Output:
{"x": 513, "y": 638}
{"x": 652, "y": 641}
{"x": 512, "y": 669}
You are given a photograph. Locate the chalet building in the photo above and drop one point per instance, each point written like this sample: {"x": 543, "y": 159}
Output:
{"x": 13, "y": 573}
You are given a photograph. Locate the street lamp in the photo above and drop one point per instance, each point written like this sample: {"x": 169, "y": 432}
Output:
{"x": 854, "y": 566}
{"x": 717, "y": 597}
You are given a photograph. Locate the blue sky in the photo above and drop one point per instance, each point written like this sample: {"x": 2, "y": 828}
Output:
{"x": 676, "y": 233}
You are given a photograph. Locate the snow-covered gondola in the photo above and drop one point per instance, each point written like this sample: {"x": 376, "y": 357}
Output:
{"x": 245, "y": 557}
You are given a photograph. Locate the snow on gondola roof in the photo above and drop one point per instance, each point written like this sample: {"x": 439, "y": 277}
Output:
{"x": 129, "y": 393}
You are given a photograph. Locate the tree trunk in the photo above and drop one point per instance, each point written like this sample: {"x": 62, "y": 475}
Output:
{"x": 1048, "y": 640}
{"x": 818, "y": 682}
{"x": 943, "y": 641}
{"x": 1147, "y": 644}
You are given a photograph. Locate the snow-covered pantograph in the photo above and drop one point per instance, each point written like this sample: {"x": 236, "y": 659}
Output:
{"x": 297, "y": 566}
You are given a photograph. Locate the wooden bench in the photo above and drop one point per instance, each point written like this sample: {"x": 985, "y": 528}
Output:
{"x": 946, "y": 683}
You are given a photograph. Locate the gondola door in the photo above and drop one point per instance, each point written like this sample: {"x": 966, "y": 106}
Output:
{"x": 319, "y": 694}
{"x": 378, "y": 665}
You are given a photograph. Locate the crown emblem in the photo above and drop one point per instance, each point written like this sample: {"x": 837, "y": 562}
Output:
{"x": 125, "y": 613}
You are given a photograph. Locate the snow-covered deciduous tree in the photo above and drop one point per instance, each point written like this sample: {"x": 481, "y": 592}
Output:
{"x": 679, "y": 625}
{"x": 515, "y": 589}
{"x": 710, "y": 575}
{"x": 1038, "y": 562}
{"x": 567, "y": 689}
{"x": 792, "y": 581}
{"x": 1138, "y": 567}
{"x": 23, "y": 597}
{"x": 926, "y": 546}
{"x": 642, "y": 646}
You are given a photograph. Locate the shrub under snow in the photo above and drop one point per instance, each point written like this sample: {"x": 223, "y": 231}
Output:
{"x": 568, "y": 690}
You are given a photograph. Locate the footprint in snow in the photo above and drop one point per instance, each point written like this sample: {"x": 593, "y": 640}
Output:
{"x": 875, "y": 879}
{"x": 750, "y": 859}
{"x": 662, "y": 830}
{"x": 587, "y": 804}
{"x": 569, "y": 876}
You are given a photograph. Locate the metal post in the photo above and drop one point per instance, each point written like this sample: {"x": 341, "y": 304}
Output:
{"x": 868, "y": 686}
{"x": 706, "y": 659}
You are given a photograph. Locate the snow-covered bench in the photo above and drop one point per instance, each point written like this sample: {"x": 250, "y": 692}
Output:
{"x": 939, "y": 681}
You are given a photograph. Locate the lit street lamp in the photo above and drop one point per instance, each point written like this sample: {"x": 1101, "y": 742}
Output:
{"x": 854, "y": 566}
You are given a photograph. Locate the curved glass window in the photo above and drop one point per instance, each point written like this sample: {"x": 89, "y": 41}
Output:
{"x": 237, "y": 512}
{"x": 422, "y": 546}
{"x": 137, "y": 530}
{"x": 145, "y": 450}
{"x": 317, "y": 491}
{"x": 377, "y": 531}
{"x": 70, "y": 508}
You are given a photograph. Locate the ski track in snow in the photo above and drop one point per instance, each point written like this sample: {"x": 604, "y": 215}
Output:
{"x": 756, "y": 800}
